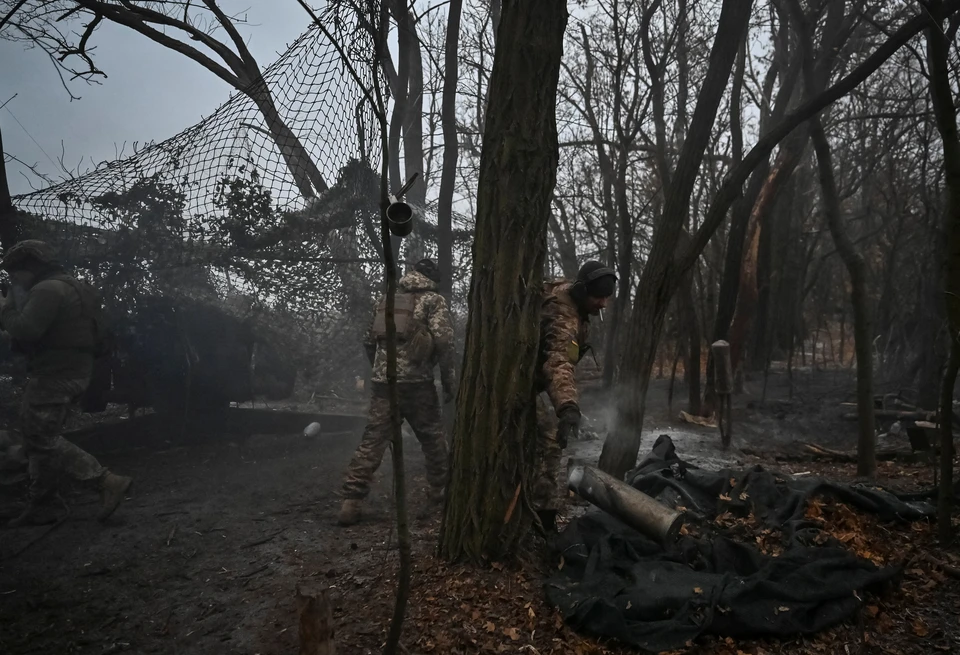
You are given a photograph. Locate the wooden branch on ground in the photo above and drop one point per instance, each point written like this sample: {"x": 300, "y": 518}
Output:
{"x": 952, "y": 571}
{"x": 900, "y": 415}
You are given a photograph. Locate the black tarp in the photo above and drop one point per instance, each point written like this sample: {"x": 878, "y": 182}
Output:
{"x": 616, "y": 583}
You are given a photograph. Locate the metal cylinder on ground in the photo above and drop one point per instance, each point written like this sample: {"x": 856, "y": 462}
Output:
{"x": 635, "y": 508}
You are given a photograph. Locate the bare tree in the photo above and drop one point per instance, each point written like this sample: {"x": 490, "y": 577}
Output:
{"x": 621, "y": 447}
{"x": 666, "y": 262}
{"x": 182, "y": 26}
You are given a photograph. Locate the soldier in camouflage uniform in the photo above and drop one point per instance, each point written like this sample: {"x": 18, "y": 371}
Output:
{"x": 424, "y": 340}
{"x": 564, "y": 330}
{"x": 49, "y": 317}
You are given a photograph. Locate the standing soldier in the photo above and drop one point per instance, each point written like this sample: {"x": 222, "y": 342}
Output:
{"x": 53, "y": 319}
{"x": 424, "y": 340}
{"x": 564, "y": 322}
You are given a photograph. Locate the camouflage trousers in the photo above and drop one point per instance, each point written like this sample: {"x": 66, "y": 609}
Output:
{"x": 44, "y": 409}
{"x": 546, "y": 493}
{"x": 420, "y": 407}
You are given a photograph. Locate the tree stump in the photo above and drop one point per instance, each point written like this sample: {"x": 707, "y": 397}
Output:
{"x": 316, "y": 620}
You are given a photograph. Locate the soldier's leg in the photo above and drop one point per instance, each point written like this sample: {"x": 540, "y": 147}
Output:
{"x": 366, "y": 460}
{"x": 548, "y": 458}
{"x": 420, "y": 405}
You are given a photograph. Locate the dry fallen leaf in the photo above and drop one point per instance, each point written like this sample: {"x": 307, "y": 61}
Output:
{"x": 919, "y": 628}
{"x": 490, "y": 627}
{"x": 697, "y": 590}
{"x": 513, "y": 633}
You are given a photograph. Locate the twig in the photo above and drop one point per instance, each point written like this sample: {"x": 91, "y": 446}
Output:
{"x": 952, "y": 571}
{"x": 254, "y": 572}
{"x": 173, "y": 531}
{"x": 261, "y": 541}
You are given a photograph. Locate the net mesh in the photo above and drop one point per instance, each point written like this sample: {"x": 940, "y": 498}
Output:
{"x": 268, "y": 208}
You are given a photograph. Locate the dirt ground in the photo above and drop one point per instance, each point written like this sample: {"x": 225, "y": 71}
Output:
{"x": 205, "y": 556}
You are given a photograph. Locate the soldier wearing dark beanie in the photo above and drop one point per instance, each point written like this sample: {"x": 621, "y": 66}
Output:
{"x": 594, "y": 284}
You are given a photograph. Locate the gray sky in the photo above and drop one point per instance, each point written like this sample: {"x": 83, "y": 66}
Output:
{"x": 151, "y": 93}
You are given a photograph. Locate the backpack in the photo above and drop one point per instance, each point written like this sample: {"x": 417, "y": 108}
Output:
{"x": 404, "y": 305}
{"x": 91, "y": 307}
{"x": 411, "y": 333}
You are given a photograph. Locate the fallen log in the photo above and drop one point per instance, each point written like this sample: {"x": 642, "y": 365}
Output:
{"x": 619, "y": 499}
{"x": 892, "y": 413}
{"x": 316, "y": 620}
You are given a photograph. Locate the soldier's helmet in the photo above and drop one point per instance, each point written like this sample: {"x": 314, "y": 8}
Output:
{"x": 428, "y": 268}
{"x": 23, "y": 251}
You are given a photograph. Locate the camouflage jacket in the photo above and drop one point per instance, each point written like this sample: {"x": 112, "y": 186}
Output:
{"x": 431, "y": 312}
{"x": 50, "y": 328}
{"x": 563, "y": 342}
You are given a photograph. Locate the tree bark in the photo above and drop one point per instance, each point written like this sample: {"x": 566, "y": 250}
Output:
{"x": 494, "y": 437}
{"x": 9, "y": 228}
{"x": 748, "y": 294}
{"x": 451, "y": 150}
{"x": 658, "y": 280}
{"x": 946, "y": 114}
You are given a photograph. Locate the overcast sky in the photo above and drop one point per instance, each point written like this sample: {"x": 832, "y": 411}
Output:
{"x": 151, "y": 93}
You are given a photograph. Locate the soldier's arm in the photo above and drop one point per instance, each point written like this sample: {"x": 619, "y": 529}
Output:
{"x": 35, "y": 318}
{"x": 560, "y": 335}
{"x": 440, "y": 324}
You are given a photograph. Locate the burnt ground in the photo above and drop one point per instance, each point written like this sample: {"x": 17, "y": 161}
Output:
{"x": 206, "y": 554}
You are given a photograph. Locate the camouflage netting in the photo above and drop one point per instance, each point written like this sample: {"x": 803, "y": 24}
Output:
{"x": 267, "y": 210}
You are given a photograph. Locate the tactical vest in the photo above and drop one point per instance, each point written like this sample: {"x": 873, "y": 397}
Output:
{"x": 404, "y": 305}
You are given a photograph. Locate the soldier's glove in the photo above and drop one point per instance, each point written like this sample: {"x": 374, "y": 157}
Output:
{"x": 569, "y": 425}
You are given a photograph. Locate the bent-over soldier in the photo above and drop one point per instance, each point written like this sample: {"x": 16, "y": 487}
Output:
{"x": 424, "y": 340}
{"x": 564, "y": 331}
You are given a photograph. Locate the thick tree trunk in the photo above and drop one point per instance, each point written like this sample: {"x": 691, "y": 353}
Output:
{"x": 659, "y": 278}
{"x": 748, "y": 293}
{"x": 946, "y": 113}
{"x": 494, "y": 438}
{"x": 451, "y": 151}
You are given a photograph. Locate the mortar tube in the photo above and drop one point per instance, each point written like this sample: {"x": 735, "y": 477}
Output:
{"x": 635, "y": 508}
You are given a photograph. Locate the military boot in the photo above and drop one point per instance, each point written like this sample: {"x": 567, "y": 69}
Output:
{"x": 350, "y": 512}
{"x": 112, "y": 490}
